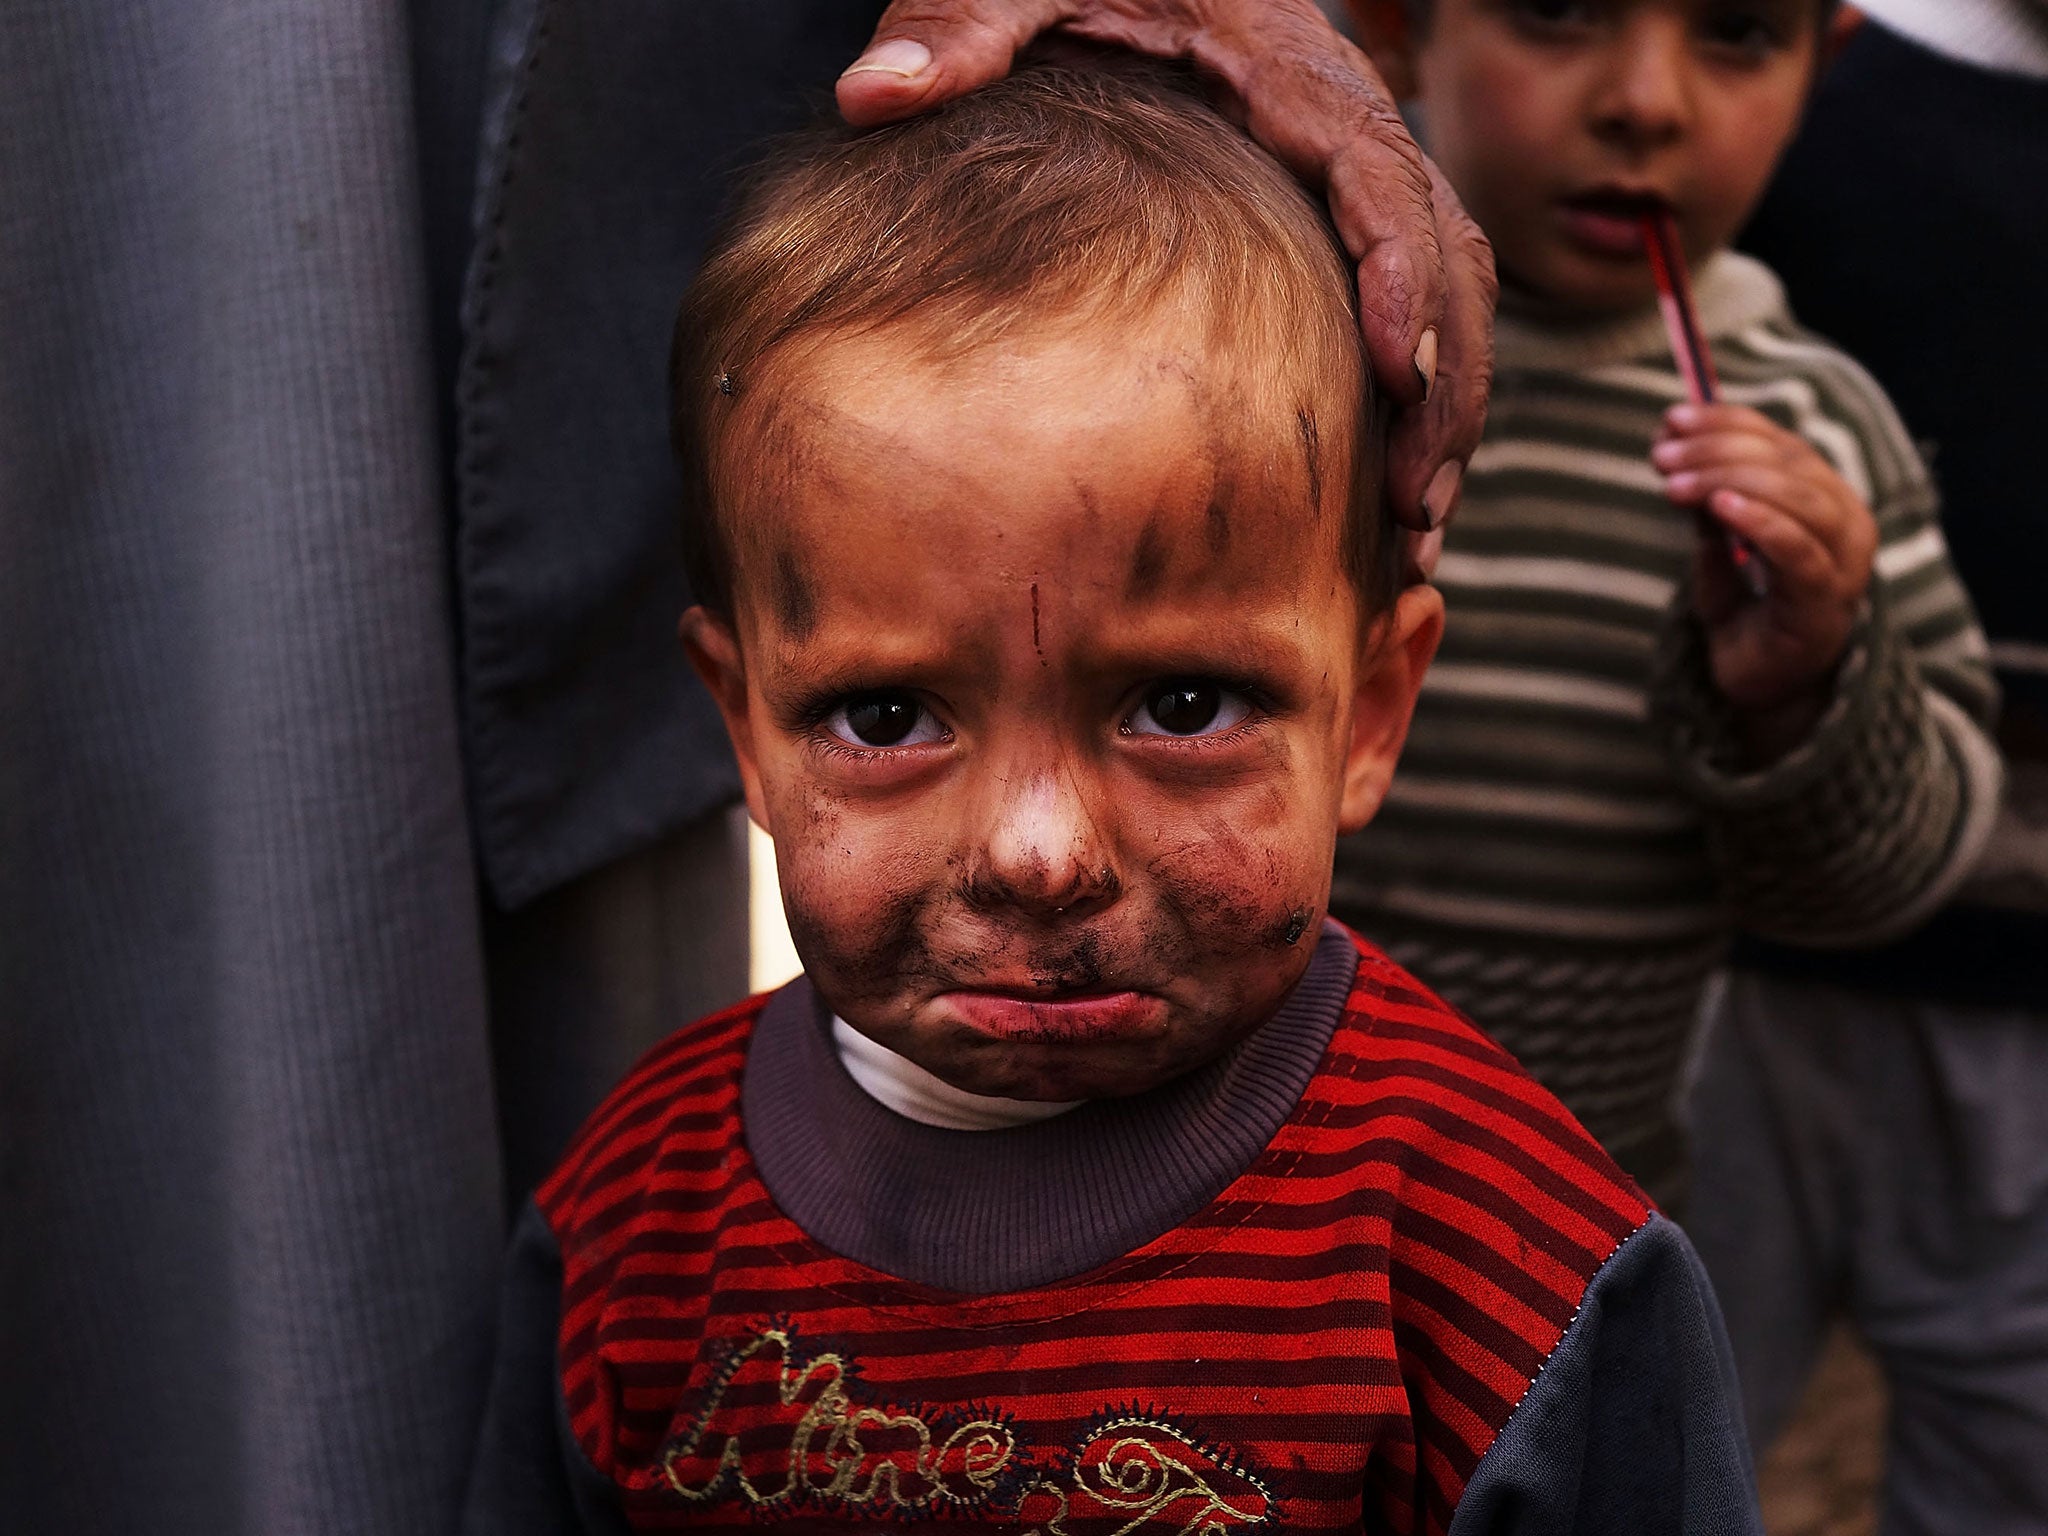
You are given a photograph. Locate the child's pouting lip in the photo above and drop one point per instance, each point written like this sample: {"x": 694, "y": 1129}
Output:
{"x": 1074, "y": 1016}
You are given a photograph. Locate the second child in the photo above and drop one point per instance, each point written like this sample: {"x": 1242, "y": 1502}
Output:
{"x": 1621, "y": 756}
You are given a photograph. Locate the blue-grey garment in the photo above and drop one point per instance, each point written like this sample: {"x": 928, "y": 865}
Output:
{"x": 246, "y": 1137}
{"x": 612, "y": 130}
{"x": 1886, "y": 1159}
{"x": 278, "y": 611}
{"x": 1634, "y": 1426}
{"x": 1632, "y": 1429}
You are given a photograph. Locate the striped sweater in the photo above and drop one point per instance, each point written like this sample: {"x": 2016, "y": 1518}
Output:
{"x": 1427, "y": 1302}
{"x": 1571, "y": 842}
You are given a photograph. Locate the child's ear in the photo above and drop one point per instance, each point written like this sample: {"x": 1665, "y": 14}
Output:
{"x": 1841, "y": 27}
{"x": 1397, "y": 652}
{"x": 1383, "y": 30}
{"x": 714, "y": 651}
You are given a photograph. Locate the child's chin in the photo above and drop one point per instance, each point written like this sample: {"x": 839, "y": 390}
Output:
{"x": 1584, "y": 284}
{"x": 1050, "y": 1072}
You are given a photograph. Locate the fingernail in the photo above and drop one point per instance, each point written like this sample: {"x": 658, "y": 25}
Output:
{"x": 1666, "y": 453}
{"x": 1425, "y": 361}
{"x": 1683, "y": 415}
{"x": 1442, "y": 495}
{"x": 1681, "y": 485}
{"x": 901, "y": 56}
{"x": 1424, "y": 550}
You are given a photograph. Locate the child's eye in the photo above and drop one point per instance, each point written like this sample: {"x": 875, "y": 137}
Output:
{"x": 1187, "y": 706}
{"x": 884, "y": 719}
{"x": 1551, "y": 15}
{"x": 1745, "y": 30}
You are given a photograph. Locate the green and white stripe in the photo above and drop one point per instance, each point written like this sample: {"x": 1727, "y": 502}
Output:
{"x": 1549, "y": 858}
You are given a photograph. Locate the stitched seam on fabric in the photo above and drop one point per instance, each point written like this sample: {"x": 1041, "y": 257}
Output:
{"x": 1577, "y": 1307}
{"x": 494, "y": 821}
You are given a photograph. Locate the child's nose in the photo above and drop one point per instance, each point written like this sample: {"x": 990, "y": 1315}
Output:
{"x": 1644, "y": 98}
{"x": 1044, "y": 851}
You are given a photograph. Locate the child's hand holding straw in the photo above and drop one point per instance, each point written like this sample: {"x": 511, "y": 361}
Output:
{"x": 1773, "y": 655}
{"x": 1778, "y": 592}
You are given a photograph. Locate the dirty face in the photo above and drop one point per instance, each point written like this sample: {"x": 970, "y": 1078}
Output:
{"x": 1048, "y": 682}
{"x": 1561, "y": 121}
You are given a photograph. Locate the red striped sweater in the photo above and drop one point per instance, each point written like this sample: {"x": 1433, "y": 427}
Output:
{"x": 1334, "y": 1342}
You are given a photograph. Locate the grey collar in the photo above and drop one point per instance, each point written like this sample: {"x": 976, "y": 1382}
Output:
{"x": 981, "y": 1212}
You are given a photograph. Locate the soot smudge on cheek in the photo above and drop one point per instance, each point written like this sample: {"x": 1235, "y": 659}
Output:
{"x": 1234, "y": 896}
{"x": 853, "y": 931}
{"x": 859, "y": 959}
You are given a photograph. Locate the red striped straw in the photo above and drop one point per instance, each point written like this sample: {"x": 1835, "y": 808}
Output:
{"x": 1695, "y": 363}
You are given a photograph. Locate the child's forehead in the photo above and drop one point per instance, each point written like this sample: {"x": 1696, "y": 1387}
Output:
{"x": 1125, "y": 441}
{"x": 1133, "y": 390}
{"x": 1117, "y": 494}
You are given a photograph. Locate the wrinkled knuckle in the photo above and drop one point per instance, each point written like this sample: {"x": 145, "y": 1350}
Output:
{"x": 1354, "y": 93}
{"x": 922, "y": 16}
{"x": 1296, "y": 65}
{"x": 1475, "y": 251}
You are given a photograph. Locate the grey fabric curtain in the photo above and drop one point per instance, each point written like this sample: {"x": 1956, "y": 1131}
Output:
{"x": 248, "y": 1159}
{"x": 359, "y": 823}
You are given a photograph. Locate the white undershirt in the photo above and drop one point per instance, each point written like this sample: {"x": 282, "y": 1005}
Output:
{"x": 900, "y": 1084}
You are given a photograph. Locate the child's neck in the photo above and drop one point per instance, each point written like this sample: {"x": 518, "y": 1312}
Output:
{"x": 1525, "y": 302}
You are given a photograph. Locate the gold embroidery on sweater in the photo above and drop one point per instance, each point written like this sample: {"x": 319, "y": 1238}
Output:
{"x": 769, "y": 1405}
{"x": 1154, "y": 1475}
{"x": 869, "y": 1457}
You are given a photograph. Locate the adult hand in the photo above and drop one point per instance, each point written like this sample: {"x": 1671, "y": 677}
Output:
{"x": 1425, "y": 273}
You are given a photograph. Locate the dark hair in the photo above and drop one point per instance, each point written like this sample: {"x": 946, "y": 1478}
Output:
{"x": 1064, "y": 191}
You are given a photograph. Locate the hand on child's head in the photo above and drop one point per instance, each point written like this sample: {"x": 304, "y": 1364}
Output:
{"x": 1050, "y": 680}
{"x": 1425, "y": 280}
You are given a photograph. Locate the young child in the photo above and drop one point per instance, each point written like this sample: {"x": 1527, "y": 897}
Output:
{"x": 1621, "y": 756}
{"x": 1867, "y": 1128}
{"x": 1088, "y": 1181}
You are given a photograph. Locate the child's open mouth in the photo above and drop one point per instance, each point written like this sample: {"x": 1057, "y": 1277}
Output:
{"x": 1074, "y": 1016}
{"x": 1608, "y": 221}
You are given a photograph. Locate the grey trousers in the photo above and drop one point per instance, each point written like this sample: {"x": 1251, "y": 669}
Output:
{"x": 1888, "y": 1160}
